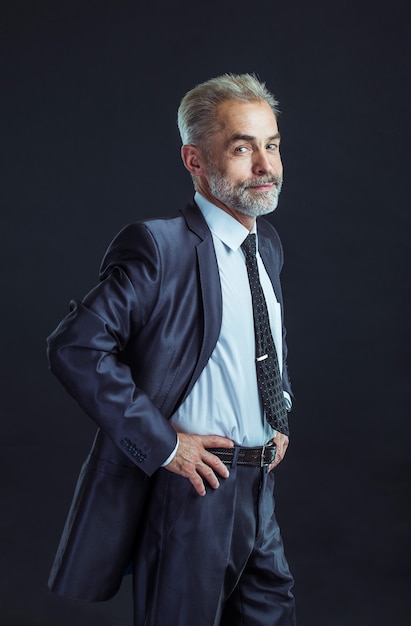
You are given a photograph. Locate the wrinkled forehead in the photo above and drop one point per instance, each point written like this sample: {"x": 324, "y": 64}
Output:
{"x": 255, "y": 119}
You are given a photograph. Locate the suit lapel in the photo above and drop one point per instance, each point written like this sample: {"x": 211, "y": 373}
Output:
{"x": 209, "y": 279}
{"x": 268, "y": 258}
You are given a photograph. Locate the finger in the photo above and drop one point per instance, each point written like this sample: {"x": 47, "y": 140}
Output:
{"x": 205, "y": 474}
{"x": 215, "y": 441}
{"x": 277, "y": 460}
{"x": 280, "y": 453}
{"x": 208, "y": 475}
{"x": 212, "y": 461}
{"x": 198, "y": 455}
{"x": 195, "y": 473}
{"x": 198, "y": 484}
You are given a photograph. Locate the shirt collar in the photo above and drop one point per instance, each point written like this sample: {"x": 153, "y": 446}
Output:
{"x": 222, "y": 224}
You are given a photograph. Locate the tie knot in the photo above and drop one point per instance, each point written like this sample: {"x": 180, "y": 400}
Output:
{"x": 249, "y": 245}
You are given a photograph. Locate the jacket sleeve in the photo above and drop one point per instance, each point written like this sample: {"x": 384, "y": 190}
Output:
{"x": 86, "y": 351}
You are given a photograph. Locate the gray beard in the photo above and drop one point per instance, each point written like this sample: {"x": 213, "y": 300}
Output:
{"x": 240, "y": 198}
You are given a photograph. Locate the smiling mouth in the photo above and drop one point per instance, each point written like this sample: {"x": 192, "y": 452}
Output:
{"x": 263, "y": 183}
{"x": 264, "y": 186}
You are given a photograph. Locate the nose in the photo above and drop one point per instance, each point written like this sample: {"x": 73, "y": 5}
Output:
{"x": 262, "y": 163}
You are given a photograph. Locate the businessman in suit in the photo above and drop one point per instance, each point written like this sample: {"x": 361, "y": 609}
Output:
{"x": 161, "y": 354}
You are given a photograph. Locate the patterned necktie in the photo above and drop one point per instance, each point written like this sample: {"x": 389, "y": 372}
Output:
{"x": 268, "y": 371}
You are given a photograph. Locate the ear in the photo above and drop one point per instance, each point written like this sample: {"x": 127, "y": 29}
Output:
{"x": 192, "y": 160}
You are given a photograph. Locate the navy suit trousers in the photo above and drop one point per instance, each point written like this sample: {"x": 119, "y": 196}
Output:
{"x": 216, "y": 560}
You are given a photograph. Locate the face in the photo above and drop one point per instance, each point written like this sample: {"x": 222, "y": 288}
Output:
{"x": 242, "y": 168}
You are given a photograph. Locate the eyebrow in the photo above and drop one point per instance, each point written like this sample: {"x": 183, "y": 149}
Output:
{"x": 241, "y": 137}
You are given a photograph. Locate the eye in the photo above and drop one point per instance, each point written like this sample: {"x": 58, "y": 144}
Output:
{"x": 272, "y": 146}
{"x": 241, "y": 149}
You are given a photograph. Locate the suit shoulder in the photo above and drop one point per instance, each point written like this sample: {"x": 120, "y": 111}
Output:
{"x": 147, "y": 241}
{"x": 266, "y": 229}
{"x": 137, "y": 231}
{"x": 267, "y": 233}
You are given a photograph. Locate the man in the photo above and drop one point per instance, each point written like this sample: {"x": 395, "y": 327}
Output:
{"x": 164, "y": 355}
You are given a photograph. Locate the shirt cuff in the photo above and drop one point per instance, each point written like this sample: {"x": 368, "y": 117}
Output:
{"x": 287, "y": 400}
{"x": 172, "y": 455}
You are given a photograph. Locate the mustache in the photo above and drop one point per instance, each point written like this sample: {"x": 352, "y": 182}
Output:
{"x": 264, "y": 180}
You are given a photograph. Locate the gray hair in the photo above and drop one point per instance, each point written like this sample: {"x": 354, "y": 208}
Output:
{"x": 197, "y": 120}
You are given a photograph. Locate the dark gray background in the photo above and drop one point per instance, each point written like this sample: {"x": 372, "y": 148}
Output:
{"x": 89, "y": 93}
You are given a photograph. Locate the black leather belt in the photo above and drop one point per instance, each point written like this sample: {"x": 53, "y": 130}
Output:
{"x": 259, "y": 456}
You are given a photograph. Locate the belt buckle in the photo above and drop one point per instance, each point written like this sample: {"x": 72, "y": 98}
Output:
{"x": 262, "y": 455}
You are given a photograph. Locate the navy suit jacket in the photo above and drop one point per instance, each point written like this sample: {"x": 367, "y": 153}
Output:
{"x": 130, "y": 353}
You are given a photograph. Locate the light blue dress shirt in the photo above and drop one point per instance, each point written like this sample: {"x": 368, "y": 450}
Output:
{"x": 225, "y": 399}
